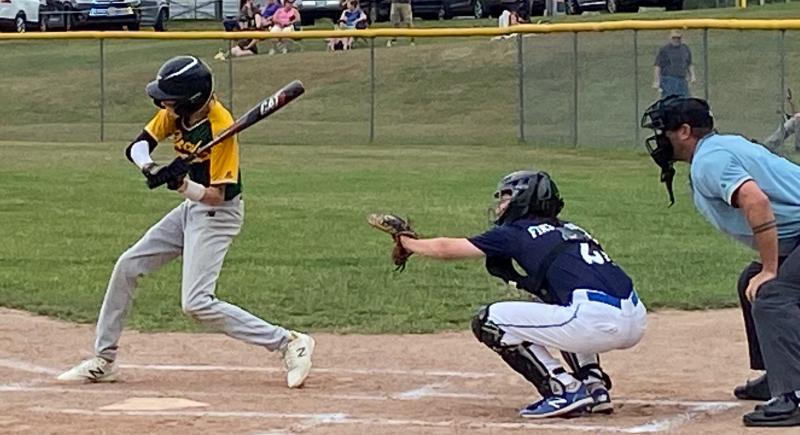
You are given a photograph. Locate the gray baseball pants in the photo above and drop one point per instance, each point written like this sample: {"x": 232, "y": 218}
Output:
{"x": 776, "y": 311}
{"x": 203, "y": 234}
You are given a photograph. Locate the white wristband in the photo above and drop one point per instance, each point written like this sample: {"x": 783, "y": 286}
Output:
{"x": 192, "y": 190}
{"x": 140, "y": 154}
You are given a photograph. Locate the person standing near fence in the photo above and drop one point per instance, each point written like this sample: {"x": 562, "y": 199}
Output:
{"x": 401, "y": 15}
{"x": 673, "y": 68}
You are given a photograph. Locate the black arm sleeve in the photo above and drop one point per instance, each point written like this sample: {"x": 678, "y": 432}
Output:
{"x": 145, "y": 136}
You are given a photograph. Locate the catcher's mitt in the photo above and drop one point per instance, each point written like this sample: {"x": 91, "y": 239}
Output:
{"x": 395, "y": 226}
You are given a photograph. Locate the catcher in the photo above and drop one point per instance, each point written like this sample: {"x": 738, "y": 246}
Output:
{"x": 587, "y": 303}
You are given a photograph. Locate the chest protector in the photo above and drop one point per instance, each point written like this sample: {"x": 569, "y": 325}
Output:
{"x": 537, "y": 283}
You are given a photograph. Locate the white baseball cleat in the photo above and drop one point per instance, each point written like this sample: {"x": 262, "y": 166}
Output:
{"x": 92, "y": 370}
{"x": 297, "y": 358}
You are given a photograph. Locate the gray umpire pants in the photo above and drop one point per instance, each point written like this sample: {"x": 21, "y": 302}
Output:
{"x": 203, "y": 234}
{"x": 791, "y": 126}
{"x": 776, "y": 314}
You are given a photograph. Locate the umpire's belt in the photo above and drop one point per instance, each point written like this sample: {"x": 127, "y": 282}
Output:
{"x": 605, "y": 298}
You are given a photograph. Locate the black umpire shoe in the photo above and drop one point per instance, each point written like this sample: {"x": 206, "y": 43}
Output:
{"x": 757, "y": 389}
{"x": 780, "y": 411}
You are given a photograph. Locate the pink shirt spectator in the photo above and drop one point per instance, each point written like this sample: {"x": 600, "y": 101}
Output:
{"x": 284, "y": 17}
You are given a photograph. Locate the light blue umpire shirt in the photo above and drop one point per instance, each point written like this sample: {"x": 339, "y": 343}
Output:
{"x": 722, "y": 163}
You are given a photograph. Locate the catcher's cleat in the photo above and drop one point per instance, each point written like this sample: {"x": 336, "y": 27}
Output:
{"x": 297, "y": 358}
{"x": 601, "y": 400}
{"x": 757, "y": 389}
{"x": 559, "y": 406}
{"x": 92, "y": 370}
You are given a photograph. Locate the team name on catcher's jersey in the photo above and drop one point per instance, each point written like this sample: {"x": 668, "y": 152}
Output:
{"x": 221, "y": 165}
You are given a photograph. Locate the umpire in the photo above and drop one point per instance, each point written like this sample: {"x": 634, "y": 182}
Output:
{"x": 754, "y": 196}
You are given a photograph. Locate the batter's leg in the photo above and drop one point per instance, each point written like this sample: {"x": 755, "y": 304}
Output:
{"x": 209, "y": 233}
{"x": 160, "y": 244}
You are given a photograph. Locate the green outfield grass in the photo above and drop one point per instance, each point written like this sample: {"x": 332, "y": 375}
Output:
{"x": 306, "y": 257}
{"x": 446, "y": 130}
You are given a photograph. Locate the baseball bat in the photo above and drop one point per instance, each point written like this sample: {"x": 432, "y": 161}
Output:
{"x": 263, "y": 109}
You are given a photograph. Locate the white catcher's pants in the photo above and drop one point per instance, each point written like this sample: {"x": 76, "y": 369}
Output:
{"x": 589, "y": 325}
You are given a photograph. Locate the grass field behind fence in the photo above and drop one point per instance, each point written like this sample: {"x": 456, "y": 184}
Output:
{"x": 443, "y": 91}
{"x": 306, "y": 257}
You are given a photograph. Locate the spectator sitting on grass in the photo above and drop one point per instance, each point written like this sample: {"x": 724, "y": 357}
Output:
{"x": 243, "y": 47}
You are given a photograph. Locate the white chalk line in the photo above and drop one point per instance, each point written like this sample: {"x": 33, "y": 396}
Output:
{"x": 27, "y": 387}
{"x": 25, "y": 366}
{"x": 416, "y": 394}
{"x": 419, "y": 393}
{"x": 218, "y": 368}
{"x": 344, "y": 419}
{"x": 305, "y": 425}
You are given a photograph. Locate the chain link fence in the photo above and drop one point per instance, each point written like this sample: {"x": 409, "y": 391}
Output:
{"x": 584, "y": 89}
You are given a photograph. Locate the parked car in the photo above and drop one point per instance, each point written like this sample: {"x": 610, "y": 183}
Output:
{"x": 19, "y": 15}
{"x": 55, "y": 15}
{"x": 496, "y": 7}
{"x": 118, "y": 14}
{"x": 311, "y": 10}
{"x": 576, "y": 7}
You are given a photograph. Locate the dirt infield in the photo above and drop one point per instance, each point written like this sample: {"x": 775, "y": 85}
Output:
{"x": 678, "y": 380}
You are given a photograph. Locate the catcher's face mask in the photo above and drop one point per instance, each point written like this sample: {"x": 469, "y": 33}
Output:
{"x": 668, "y": 114}
{"x": 502, "y": 199}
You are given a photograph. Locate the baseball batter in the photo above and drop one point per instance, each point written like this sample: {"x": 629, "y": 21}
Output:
{"x": 201, "y": 228}
{"x": 588, "y": 306}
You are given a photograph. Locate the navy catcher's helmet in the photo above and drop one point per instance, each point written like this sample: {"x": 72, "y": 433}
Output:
{"x": 532, "y": 193}
{"x": 186, "y": 80}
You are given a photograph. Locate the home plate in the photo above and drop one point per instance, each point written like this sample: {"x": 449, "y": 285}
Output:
{"x": 153, "y": 404}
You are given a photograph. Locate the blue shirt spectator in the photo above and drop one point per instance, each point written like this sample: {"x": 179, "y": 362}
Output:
{"x": 270, "y": 8}
{"x": 353, "y": 17}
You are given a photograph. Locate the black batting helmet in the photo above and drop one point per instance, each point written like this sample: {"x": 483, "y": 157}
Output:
{"x": 532, "y": 193}
{"x": 186, "y": 80}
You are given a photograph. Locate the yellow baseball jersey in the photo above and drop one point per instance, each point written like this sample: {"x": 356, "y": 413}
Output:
{"x": 221, "y": 166}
